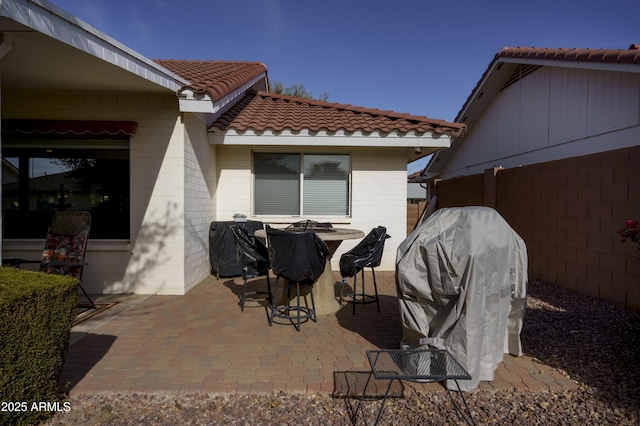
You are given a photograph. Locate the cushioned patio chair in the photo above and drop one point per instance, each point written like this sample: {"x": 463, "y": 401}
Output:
{"x": 65, "y": 247}
{"x": 254, "y": 259}
{"x": 367, "y": 254}
{"x": 298, "y": 257}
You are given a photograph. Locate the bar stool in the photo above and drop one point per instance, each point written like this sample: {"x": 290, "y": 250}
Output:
{"x": 367, "y": 254}
{"x": 298, "y": 257}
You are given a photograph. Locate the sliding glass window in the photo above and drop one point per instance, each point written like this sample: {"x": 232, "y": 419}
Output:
{"x": 295, "y": 184}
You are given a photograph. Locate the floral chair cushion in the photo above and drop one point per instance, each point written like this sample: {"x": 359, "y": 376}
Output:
{"x": 64, "y": 248}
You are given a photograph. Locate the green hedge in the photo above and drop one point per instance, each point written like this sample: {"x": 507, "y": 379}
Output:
{"x": 36, "y": 313}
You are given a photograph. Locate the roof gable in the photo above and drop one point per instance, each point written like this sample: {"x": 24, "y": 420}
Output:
{"x": 216, "y": 78}
{"x": 620, "y": 59}
{"x": 262, "y": 111}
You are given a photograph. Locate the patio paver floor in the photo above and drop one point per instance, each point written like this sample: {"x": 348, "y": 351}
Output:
{"x": 202, "y": 342}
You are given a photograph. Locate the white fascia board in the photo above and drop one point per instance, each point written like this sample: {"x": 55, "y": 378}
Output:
{"x": 358, "y": 139}
{"x": 46, "y": 18}
{"x": 202, "y": 102}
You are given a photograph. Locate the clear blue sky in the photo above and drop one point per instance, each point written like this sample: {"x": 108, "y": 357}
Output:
{"x": 416, "y": 56}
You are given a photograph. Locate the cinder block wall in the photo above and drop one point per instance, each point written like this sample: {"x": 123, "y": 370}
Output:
{"x": 414, "y": 211}
{"x": 568, "y": 212}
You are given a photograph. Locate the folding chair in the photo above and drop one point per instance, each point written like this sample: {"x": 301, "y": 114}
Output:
{"x": 65, "y": 247}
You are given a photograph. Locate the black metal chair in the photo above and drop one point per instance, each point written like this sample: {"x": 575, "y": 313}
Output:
{"x": 254, "y": 259}
{"x": 367, "y": 254}
{"x": 300, "y": 258}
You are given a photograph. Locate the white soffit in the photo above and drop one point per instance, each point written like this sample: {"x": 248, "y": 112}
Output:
{"x": 44, "y": 17}
{"x": 337, "y": 139}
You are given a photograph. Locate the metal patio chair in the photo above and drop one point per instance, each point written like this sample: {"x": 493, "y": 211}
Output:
{"x": 367, "y": 254}
{"x": 65, "y": 247}
{"x": 254, "y": 259}
{"x": 300, "y": 258}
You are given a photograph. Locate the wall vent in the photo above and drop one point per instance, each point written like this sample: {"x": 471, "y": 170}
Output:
{"x": 521, "y": 71}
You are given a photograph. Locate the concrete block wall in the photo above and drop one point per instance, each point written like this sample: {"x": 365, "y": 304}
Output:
{"x": 568, "y": 212}
{"x": 414, "y": 210}
{"x": 199, "y": 199}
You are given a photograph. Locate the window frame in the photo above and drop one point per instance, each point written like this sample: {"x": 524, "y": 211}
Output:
{"x": 11, "y": 147}
{"x": 302, "y": 154}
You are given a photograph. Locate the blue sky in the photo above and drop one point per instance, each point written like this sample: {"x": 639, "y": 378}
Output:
{"x": 416, "y": 56}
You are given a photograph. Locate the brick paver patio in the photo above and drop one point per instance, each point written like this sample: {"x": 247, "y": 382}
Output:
{"x": 202, "y": 342}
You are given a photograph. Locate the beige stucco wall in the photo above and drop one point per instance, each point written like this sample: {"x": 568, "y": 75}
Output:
{"x": 378, "y": 191}
{"x": 166, "y": 229}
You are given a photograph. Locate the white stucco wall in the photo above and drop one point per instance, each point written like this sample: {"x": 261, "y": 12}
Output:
{"x": 153, "y": 260}
{"x": 378, "y": 192}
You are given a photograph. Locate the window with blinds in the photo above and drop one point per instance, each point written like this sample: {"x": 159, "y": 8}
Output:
{"x": 301, "y": 184}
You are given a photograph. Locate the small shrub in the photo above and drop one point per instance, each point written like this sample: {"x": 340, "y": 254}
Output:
{"x": 36, "y": 313}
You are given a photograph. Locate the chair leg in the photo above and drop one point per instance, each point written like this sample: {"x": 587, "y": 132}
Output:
{"x": 355, "y": 288}
{"x": 375, "y": 288}
{"x": 269, "y": 289}
{"x": 93, "y": 305}
{"x": 298, "y": 298}
{"x": 244, "y": 294}
{"x": 313, "y": 304}
{"x": 274, "y": 301}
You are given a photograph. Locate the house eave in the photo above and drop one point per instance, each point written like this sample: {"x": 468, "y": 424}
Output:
{"x": 202, "y": 102}
{"x": 26, "y": 19}
{"x": 416, "y": 146}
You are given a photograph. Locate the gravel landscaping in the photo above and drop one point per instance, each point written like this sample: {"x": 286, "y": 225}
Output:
{"x": 594, "y": 343}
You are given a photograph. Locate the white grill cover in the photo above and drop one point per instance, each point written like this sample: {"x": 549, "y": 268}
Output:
{"x": 461, "y": 280}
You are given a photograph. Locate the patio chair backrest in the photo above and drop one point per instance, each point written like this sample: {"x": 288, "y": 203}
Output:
{"x": 296, "y": 256}
{"x": 252, "y": 255}
{"x": 66, "y": 242}
{"x": 368, "y": 253}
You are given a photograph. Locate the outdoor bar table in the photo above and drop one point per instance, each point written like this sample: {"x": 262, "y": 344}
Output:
{"x": 323, "y": 290}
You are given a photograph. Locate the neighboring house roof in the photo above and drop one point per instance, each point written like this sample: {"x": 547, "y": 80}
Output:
{"x": 217, "y": 78}
{"x": 511, "y": 64}
{"x": 262, "y": 111}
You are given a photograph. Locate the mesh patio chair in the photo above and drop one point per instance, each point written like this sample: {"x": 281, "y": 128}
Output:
{"x": 254, "y": 259}
{"x": 367, "y": 254}
{"x": 300, "y": 258}
{"x": 65, "y": 247}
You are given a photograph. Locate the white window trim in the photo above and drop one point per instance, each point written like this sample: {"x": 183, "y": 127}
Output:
{"x": 273, "y": 218}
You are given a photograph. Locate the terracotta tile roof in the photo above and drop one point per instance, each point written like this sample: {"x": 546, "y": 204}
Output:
{"x": 260, "y": 111}
{"x": 620, "y": 56}
{"x": 217, "y": 78}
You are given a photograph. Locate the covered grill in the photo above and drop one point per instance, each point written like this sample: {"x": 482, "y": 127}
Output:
{"x": 461, "y": 279}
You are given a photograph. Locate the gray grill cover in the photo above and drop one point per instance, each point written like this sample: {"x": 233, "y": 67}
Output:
{"x": 461, "y": 278}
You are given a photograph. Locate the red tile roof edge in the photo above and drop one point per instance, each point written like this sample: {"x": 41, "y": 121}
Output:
{"x": 434, "y": 125}
{"x": 625, "y": 56}
{"x": 217, "y": 84}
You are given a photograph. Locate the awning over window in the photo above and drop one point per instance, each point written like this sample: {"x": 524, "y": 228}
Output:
{"x": 68, "y": 129}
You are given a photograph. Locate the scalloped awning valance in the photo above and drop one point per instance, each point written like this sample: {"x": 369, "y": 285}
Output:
{"x": 68, "y": 129}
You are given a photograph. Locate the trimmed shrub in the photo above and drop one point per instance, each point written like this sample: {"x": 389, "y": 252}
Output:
{"x": 36, "y": 313}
